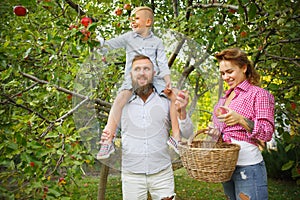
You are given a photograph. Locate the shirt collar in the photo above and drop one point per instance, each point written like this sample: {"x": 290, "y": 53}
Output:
{"x": 138, "y": 35}
{"x": 154, "y": 93}
{"x": 243, "y": 86}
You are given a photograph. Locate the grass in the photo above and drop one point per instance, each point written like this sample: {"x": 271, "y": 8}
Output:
{"x": 188, "y": 189}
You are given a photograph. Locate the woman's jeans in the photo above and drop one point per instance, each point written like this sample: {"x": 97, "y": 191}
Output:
{"x": 248, "y": 182}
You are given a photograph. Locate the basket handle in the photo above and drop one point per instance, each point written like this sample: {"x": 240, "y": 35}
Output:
{"x": 202, "y": 131}
{"x": 198, "y": 132}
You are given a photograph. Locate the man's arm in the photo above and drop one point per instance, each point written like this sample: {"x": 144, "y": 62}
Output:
{"x": 185, "y": 124}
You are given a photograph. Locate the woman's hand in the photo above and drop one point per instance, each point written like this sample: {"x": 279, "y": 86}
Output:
{"x": 231, "y": 117}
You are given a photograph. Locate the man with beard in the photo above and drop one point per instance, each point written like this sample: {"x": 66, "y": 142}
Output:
{"x": 145, "y": 126}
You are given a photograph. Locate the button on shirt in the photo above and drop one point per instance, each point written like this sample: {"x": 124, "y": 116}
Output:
{"x": 150, "y": 46}
{"x": 254, "y": 103}
{"x": 145, "y": 132}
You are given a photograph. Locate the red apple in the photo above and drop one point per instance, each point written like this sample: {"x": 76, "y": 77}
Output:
{"x": 86, "y": 34}
{"x": 232, "y": 10}
{"x": 181, "y": 94}
{"x": 69, "y": 97}
{"x": 293, "y": 105}
{"x": 85, "y": 21}
{"x": 237, "y": 27}
{"x": 127, "y": 6}
{"x": 221, "y": 111}
{"x": 118, "y": 11}
{"x": 73, "y": 26}
{"x": 46, "y": 189}
{"x": 243, "y": 34}
{"x": 32, "y": 164}
{"x": 20, "y": 10}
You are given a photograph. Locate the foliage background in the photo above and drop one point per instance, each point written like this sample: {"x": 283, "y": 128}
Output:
{"x": 42, "y": 151}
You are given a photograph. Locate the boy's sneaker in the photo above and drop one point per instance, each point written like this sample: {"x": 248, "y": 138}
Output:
{"x": 105, "y": 151}
{"x": 173, "y": 144}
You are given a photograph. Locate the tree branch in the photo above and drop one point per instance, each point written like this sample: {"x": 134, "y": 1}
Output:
{"x": 24, "y": 107}
{"x": 175, "y": 8}
{"x": 19, "y": 93}
{"x": 213, "y": 5}
{"x": 61, "y": 119}
{"x": 79, "y": 10}
{"x": 175, "y": 52}
{"x": 99, "y": 101}
{"x": 75, "y": 7}
{"x": 290, "y": 40}
{"x": 282, "y": 58}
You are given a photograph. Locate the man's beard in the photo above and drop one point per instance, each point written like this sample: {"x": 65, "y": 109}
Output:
{"x": 142, "y": 90}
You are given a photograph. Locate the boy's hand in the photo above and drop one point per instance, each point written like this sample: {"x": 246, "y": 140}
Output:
{"x": 168, "y": 86}
{"x": 100, "y": 40}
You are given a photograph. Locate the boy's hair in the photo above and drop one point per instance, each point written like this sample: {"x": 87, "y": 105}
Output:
{"x": 149, "y": 12}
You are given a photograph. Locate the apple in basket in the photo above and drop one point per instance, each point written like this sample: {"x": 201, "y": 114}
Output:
{"x": 221, "y": 111}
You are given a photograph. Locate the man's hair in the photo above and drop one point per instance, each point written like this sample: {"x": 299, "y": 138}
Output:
{"x": 149, "y": 12}
{"x": 141, "y": 57}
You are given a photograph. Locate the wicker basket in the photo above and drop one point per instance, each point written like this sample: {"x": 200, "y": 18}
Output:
{"x": 209, "y": 161}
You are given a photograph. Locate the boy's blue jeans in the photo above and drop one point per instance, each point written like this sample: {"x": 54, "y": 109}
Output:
{"x": 247, "y": 182}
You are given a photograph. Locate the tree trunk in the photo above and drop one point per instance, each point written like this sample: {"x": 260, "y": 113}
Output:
{"x": 103, "y": 181}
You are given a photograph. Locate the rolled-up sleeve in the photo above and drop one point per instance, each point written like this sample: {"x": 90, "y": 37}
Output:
{"x": 186, "y": 127}
{"x": 264, "y": 125}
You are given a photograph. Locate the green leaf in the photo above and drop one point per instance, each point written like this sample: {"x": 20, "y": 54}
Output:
{"x": 288, "y": 165}
{"x": 25, "y": 157}
{"x": 252, "y": 11}
{"x": 54, "y": 192}
{"x": 289, "y": 147}
{"x": 12, "y": 145}
{"x": 27, "y": 53}
{"x": 6, "y": 73}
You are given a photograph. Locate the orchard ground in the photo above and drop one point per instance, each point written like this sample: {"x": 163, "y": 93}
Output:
{"x": 186, "y": 188}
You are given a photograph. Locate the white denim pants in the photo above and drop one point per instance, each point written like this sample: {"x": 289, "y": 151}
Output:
{"x": 159, "y": 185}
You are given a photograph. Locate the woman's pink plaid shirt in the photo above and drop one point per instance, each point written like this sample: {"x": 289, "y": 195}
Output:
{"x": 254, "y": 103}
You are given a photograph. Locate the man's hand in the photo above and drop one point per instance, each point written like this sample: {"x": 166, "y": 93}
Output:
{"x": 182, "y": 100}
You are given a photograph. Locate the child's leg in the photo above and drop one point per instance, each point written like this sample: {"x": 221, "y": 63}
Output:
{"x": 112, "y": 123}
{"x": 115, "y": 113}
{"x": 175, "y": 138}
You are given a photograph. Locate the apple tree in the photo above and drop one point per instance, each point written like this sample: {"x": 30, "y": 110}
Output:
{"x": 45, "y": 42}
